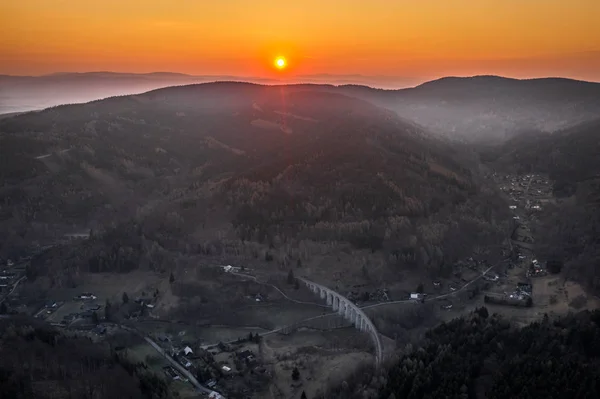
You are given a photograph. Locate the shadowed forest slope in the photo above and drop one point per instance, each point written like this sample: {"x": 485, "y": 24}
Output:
{"x": 38, "y": 361}
{"x": 268, "y": 165}
{"x": 484, "y": 356}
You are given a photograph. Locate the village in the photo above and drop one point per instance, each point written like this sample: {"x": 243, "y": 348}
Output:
{"x": 510, "y": 279}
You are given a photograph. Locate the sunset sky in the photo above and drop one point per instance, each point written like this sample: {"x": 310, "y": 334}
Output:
{"x": 410, "y": 38}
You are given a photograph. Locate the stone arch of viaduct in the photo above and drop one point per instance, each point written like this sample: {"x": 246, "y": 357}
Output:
{"x": 350, "y": 312}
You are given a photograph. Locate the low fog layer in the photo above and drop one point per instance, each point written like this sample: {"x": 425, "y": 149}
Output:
{"x": 29, "y": 93}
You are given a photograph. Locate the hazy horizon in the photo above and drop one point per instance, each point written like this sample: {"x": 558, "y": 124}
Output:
{"x": 408, "y": 81}
{"x": 507, "y": 38}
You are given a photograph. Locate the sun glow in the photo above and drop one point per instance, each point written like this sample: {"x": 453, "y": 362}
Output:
{"x": 280, "y": 63}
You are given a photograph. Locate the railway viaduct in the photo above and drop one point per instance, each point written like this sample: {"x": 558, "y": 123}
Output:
{"x": 350, "y": 312}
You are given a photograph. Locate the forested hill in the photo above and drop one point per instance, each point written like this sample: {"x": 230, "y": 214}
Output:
{"x": 262, "y": 164}
{"x": 38, "y": 361}
{"x": 488, "y": 109}
{"x": 483, "y": 356}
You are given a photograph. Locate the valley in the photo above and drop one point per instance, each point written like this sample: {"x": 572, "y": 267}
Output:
{"x": 177, "y": 229}
{"x": 244, "y": 311}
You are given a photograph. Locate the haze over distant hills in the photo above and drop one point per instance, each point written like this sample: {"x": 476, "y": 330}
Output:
{"x": 480, "y": 108}
{"x": 28, "y": 93}
{"x": 484, "y": 108}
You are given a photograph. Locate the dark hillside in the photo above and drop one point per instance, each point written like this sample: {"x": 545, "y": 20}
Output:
{"x": 38, "y": 361}
{"x": 482, "y": 355}
{"x": 270, "y": 165}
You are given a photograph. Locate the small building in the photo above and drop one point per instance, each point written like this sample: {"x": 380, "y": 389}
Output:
{"x": 491, "y": 277}
{"x": 91, "y": 307}
{"x": 185, "y": 362}
{"x": 244, "y": 354}
{"x": 226, "y": 369}
{"x": 86, "y": 296}
{"x": 417, "y": 297}
{"x": 100, "y": 330}
{"x": 230, "y": 269}
{"x": 187, "y": 350}
{"x": 211, "y": 383}
{"x": 170, "y": 371}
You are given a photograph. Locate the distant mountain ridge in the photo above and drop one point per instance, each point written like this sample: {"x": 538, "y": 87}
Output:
{"x": 27, "y": 93}
{"x": 490, "y": 108}
{"x": 479, "y": 108}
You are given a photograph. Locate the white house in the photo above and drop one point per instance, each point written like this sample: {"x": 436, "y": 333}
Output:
{"x": 416, "y": 296}
{"x": 185, "y": 363}
{"x": 187, "y": 350}
{"x": 227, "y": 268}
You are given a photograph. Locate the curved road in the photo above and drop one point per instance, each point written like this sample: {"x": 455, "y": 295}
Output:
{"x": 442, "y": 296}
{"x": 204, "y": 389}
{"x": 176, "y": 365}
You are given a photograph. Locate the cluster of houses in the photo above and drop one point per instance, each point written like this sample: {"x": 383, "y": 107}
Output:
{"x": 212, "y": 373}
{"x": 522, "y": 292}
{"x": 231, "y": 269}
{"x": 521, "y": 296}
{"x": 7, "y": 279}
{"x": 536, "y": 269}
{"x": 538, "y": 189}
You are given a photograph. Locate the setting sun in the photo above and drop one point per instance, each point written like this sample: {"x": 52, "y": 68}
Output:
{"x": 280, "y": 62}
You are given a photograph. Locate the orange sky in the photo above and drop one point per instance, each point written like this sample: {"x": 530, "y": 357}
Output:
{"x": 413, "y": 38}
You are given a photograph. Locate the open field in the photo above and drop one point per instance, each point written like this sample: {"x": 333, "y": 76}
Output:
{"x": 196, "y": 334}
{"x": 551, "y": 295}
{"x": 111, "y": 285}
{"x": 67, "y": 308}
{"x": 254, "y": 318}
{"x": 322, "y": 358}
{"x": 143, "y": 352}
